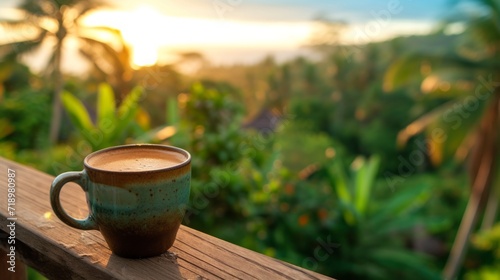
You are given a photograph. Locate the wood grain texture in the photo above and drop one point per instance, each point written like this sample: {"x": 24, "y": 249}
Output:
{"x": 19, "y": 273}
{"x": 61, "y": 252}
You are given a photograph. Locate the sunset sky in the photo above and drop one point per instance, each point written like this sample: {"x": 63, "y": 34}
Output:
{"x": 243, "y": 31}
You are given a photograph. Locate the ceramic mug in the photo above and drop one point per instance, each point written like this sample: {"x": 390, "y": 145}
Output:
{"x": 136, "y": 194}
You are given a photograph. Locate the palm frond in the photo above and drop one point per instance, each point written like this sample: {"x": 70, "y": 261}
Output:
{"x": 448, "y": 83}
{"x": 493, "y": 6}
{"x": 420, "y": 124}
{"x": 490, "y": 16}
{"x": 92, "y": 32}
{"x": 16, "y": 25}
{"x": 465, "y": 147}
{"x": 448, "y": 128}
{"x": 486, "y": 30}
{"x": 84, "y": 7}
{"x": 51, "y": 8}
{"x": 450, "y": 132}
{"x": 94, "y": 60}
{"x": 20, "y": 31}
{"x": 12, "y": 50}
{"x": 411, "y": 68}
{"x": 106, "y": 51}
{"x": 39, "y": 8}
{"x": 104, "y": 29}
{"x": 405, "y": 70}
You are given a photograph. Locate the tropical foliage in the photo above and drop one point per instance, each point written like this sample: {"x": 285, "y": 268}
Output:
{"x": 112, "y": 124}
{"x": 356, "y": 165}
{"x": 59, "y": 21}
{"x": 465, "y": 82}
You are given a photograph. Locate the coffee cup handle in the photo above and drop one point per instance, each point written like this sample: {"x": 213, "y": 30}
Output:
{"x": 55, "y": 190}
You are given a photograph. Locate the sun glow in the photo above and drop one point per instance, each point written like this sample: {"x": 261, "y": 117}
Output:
{"x": 144, "y": 54}
{"x": 147, "y": 31}
{"x": 140, "y": 31}
{"x": 139, "y": 28}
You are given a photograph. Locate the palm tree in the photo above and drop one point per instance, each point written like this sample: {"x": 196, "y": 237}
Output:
{"x": 469, "y": 121}
{"x": 59, "y": 20}
{"x": 109, "y": 63}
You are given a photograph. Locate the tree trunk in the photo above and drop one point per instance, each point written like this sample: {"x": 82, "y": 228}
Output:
{"x": 55, "y": 123}
{"x": 482, "y": 178}
{"x": 491, "y": 209}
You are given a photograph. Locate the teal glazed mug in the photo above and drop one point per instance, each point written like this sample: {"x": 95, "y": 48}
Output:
{"x": 136, "y": 194}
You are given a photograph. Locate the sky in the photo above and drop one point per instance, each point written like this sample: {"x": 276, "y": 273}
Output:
{"x": 296, "y": 10}
{"x": 244, "y": 31}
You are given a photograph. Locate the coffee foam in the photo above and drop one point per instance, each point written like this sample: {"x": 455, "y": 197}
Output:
{"x": 136, "y": 159}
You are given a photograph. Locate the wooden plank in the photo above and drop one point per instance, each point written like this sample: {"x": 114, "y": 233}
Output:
{"x": 59, "y": 251}
{"x": 19, "y": 272}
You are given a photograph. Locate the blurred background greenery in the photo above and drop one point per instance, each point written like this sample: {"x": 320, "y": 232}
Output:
{"x": 358, "y": 163}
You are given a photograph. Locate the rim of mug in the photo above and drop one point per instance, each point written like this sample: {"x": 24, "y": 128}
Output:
{"x": 119, "y": 147}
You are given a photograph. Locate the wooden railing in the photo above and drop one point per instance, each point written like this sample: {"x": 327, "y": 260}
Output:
{"x": 58, "y": 251}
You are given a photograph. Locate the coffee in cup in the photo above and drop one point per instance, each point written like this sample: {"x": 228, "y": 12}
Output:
{"x": 137, "y": 196}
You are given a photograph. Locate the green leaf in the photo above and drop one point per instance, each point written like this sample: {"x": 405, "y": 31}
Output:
{"x": 130, "y": 103}
{"x": 105, "y": 107}
{"x": 402, "y": 260}
{"x": 77, "y": 112}
{"x": 403, "y": 71}
{"x": 402, "y": 202}
{"x": 172, "y": 112}
{"x": 365, "y": 179}
{"x": 126, "y": 112}
{"x": 398, "y": 224}
{"x": 339, "y": 183}
{"x": 338, "y": 180}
